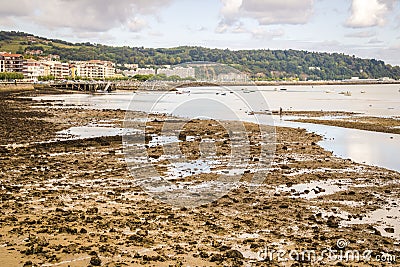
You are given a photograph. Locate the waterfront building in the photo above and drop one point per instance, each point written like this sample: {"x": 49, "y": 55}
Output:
{"x": 11, "y": 62}
{"x": 57, "y": 69}
{"x": 93, "y": 69}
{"x": 33, "y": 69}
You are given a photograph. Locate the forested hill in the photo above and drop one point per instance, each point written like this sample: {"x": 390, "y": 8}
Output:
{"x": 263, "y": 64}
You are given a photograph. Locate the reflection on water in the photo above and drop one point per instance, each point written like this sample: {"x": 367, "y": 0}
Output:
{"x": 372, "y": 148}
{"x": 386, "y": 219}
{"x": 89, "y": 132}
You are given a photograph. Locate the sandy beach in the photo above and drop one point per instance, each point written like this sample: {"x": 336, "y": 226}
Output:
{"x": 73, "y": 202}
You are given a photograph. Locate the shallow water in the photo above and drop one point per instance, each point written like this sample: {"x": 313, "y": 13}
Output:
{"x": 82, "y": 132}
{"x": 374, "y": 100}
{"x": 372, "y": 148}
{"x": 386, "y": 219}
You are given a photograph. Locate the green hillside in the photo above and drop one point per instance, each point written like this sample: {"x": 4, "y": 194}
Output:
{"x": 262, "y": 64}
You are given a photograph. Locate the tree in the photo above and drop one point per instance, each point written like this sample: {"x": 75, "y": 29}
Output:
{"x": 11, "y": 76}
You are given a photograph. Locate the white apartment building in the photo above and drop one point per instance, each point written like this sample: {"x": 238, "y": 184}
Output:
{"x": 140, "y": 71}
{"x": 33, "y": 69}
{"x": 93, "y": 69}
{"x": 178, "y": 71}
{"x": 233, "y": 77}
{"x": 55, "y": 68}
{"x": 131, "y": 66}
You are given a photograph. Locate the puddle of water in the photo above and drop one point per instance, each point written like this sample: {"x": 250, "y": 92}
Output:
{"x": 159, "y": 140}
{"x": 83, "y": 132}
{"x": 247, "y": 235}
{"x": 314, "y": 189}
{"x": 185, "y": 169}
{"x": 386, "y": 219}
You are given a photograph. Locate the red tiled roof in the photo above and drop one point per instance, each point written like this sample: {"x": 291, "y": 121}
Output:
{"x": 10, "y": 55}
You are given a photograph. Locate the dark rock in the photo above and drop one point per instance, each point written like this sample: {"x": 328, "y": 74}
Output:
{"x": 332, "y": 222}
{"x": 95, "y": 261}
{"x": 182, "y": 137}
{"x": 142, "y": 233}
{"x": 203, "y": 255}
{"x": 233, "y": 254}
{"x": 224, "y": 248}
{"x": 216, "y": 258}
{"x": 92, "y": 210}
{"x": 389, "y": 230}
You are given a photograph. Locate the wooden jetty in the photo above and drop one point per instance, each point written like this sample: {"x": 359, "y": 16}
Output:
{"x": 81, "y": 86}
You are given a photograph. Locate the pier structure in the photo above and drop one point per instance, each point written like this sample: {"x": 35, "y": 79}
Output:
{"x": 85, "y": 86}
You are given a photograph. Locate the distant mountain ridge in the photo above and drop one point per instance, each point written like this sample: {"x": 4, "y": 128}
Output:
{"x": 263, "y": 64}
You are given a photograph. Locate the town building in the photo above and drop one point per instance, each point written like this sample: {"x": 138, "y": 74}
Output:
{"x": 178, "y": 71}
{"x": 57, "y": 69}
{"x": 11, "y": 62}
{"x": 140, "y": 71}
{"x": 233, "y": 77}
{"x": 93, "y": 69}
{"x": 131, "y": 66}
{"x": 33, "y": 69}
{"x": 34, "y": 52}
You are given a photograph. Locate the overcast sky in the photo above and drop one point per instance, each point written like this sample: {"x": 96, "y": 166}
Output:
{"x": 365, "y": 28}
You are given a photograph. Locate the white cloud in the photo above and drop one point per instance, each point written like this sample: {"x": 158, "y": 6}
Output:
{"x": 9, "y": 8}
{"x": 369, "y": 13}
{"x": 230, "y": 10}
{"x": 261, "y": 33}
{"x": 268, "y": 12}
{"x": 265, "y": 12}
{"x": 239, "y": 28}
{"x": 222, "y": 28}
{"x": 83, "y": 15}
{"x": 375, "y": 41}
{"x": 136, "y": 24}
{"x": 362, "y": 34}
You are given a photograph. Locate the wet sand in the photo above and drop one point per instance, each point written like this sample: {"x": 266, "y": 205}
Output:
{"x": 74, "y": 203}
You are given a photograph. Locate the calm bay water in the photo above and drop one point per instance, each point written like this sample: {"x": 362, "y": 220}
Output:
{"x": 372, "y": 148}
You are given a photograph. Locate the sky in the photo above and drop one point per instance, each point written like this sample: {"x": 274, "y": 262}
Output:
{"x": 364, "y": 28}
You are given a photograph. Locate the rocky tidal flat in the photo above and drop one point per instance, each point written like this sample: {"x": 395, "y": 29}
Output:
{"x": 70, "y": 201}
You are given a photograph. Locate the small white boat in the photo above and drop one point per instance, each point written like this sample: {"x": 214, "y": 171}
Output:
{"x": 347, "y": 93}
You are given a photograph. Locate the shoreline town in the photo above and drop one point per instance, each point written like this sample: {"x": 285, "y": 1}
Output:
{"x": 50, "y": 68}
